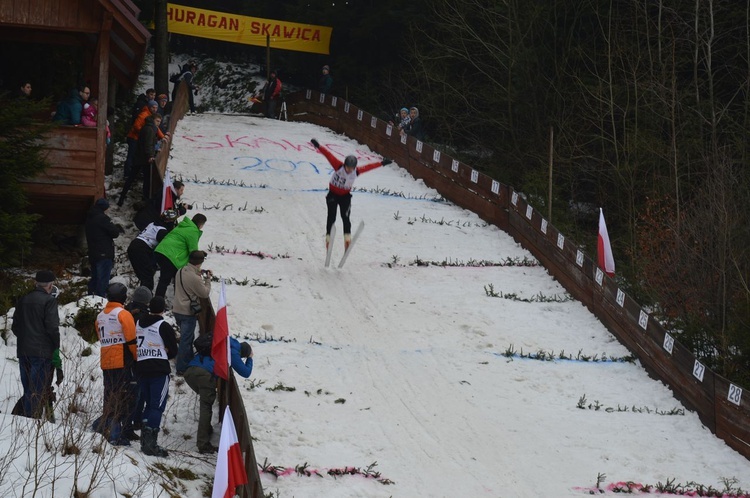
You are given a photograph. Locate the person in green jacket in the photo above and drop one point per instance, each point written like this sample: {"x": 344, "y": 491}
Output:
{"x": 173, "y": 250}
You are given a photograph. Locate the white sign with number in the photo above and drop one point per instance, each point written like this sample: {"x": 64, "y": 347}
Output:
{"x": 474, "y": 176}
{"x": 374, "y": 122}
{"x": 544, "y": 226}
{"x": 620, "y": 298}
{"x": 643, "y": 320}
{"x": 346, "y": 107}
{"x": 436, "y": 156}
{"x": 389, "y": 129}
{"x": 668, "y": 343}
{"x": 698, "y": 370}
{"x": 495, "y": 187}
{"x": 419, "y": 146}
{"x": 599, "y": 277}
{"x": 322, "y": 97}
{"x": 579, "y": 258}
{"x": 529, "y": 212}
{"x": 735, "y": 394}
{"x": 454, "y": 166}
{"x": 359, "y": 115}
{"x": 333, "y": 101}
{"x": 308, "y": 94}
{"x": 403, "y": 139}
{"x": 560, "y": 241}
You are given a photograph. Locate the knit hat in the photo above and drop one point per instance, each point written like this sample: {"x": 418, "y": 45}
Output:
{"x": 152, "y": 103}
{"x": 163, "y": 96}
{"x": 326, "y": 68}
{"x": 102, "y": 204}
{"x": 404, "y": 109}
{"x": 142, "y": 295}
{"x": 44, "y": 277}
{"x": 157, "y": 305}
{"x": 245, "y": 350}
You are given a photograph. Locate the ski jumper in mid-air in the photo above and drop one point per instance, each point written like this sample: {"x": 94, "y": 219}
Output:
{"x": 339, "y": 188}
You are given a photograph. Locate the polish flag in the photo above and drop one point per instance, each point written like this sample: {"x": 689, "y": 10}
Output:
{"x": 220, "y": 344}
{"x": 167, "y": 201}
{"x": 604, "y": 256}
{"x": 230, "y": 468}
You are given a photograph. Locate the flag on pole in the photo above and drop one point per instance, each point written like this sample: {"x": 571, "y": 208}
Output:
{"x": 604, "y": 257}
{"x": 230, "y": 468}
{"x": 220, "y": 344}
{"x": 167, "y": 200}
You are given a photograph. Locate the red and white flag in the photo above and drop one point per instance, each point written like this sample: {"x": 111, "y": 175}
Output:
{"x": 230, "y": 468}
{"x": 167, "y": 198}
{"x": 604, "y": 256}
{"x": 220, "y": 345}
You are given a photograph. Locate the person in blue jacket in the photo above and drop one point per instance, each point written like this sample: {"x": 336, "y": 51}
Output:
{"x": 69, "y": 110}
{"x": 201, "y": 379}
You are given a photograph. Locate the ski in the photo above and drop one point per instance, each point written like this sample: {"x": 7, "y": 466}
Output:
{"x": 329, "y": 251}
{"x": 354, "y": 240}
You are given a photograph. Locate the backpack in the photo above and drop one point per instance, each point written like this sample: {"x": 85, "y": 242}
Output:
{"x": 203, "y": 344}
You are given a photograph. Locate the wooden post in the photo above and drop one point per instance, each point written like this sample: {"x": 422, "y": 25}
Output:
{"x": 549, "y": 194}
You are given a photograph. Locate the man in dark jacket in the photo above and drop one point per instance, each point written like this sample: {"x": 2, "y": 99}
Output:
{"x": 414, "y": 128}
{"x": 36, "y": 324}
{"x": 326, "y": 80}
{"x": 145, "y": 157}
{"x": 157, "y": 344}
{"x": 188, "y": 73}
{"x": 69, "y": 110}
{"x": 272, "y": 94}
{"x": 100, "y": 236}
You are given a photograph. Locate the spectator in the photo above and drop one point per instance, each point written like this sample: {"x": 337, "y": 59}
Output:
{"x": 326, "y": 80}
{"x": 89, "y": 112}
{"x": 403, "y": 118}
{"x": 100, "y": 236}
{"x": 157, "y": 345}
{"x": 164, "y": 112}
{"x": 272, "y": 94}
{"x": 144, "y": 157}
{"x": 191, "y": 285}
{"x": 135, "y": 130}
{"x": 339, "y": 189}
{"x": 141, "y": 254}
{"x": 179, "y": 188}
{"x": 141, "y": 102}
{"x": 414, "y": 128}
{"x": 69, "y": 110}
{"x": 200, "y": 377}
{"x": 36, "y": 324}
{"x": 173, "y": 251}
{"x": 116, "y": 328}
{"x": 188, "y": 76}
{"x": 25, "y": 91}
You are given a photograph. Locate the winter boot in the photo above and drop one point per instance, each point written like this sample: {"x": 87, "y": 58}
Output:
{"x": 347, "y": 240}
{"x": 149, "y": 444}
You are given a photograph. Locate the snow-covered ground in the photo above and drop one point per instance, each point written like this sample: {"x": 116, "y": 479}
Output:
{"x": 401, "y": 374}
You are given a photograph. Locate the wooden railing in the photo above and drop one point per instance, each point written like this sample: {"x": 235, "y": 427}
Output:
{"x": 720, "y": 404}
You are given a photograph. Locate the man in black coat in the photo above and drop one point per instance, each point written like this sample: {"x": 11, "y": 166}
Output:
{"x": 36, "y": 324}
{"x": 145, "y": 158}
{"x": 100, "y": 237}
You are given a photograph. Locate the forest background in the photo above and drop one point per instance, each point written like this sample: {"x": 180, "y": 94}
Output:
{"x": 640, "y": 107}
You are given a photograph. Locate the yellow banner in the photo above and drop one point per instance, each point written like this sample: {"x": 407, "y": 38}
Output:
{"x": 248, "y": 30}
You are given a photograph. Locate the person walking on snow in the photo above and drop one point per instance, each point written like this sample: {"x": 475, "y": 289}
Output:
{"x": 340, "y": 186}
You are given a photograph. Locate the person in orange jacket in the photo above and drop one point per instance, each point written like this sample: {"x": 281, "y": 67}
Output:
{"x": 149, "y": 109}
{"x": 116, "y": 330}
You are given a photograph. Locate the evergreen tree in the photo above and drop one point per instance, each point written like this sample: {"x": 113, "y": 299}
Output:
{"x": 21, "y": 156}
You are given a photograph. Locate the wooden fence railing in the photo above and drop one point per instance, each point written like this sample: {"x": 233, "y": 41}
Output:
{"x": 229, "y": 392}
{"x": 719, "y": 403}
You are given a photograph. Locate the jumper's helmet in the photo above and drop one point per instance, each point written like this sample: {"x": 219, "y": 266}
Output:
{"x": 350, "y": 162}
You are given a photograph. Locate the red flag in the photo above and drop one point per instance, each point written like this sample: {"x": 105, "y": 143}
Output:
{"x": 230, "y": 468}
{"x": 167, "y": 201}
{"x": 220, "y": 345}
{"x": 604, "y": 256}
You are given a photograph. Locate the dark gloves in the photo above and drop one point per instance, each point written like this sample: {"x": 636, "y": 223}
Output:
{"x": 386, "y": 162}
{"x": 59, "y": 376}
{"x": 315, "y": 143}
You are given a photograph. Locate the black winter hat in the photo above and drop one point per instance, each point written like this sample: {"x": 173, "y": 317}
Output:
{"x": 157, "y": 305}
{"x": 44, "y": 277}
